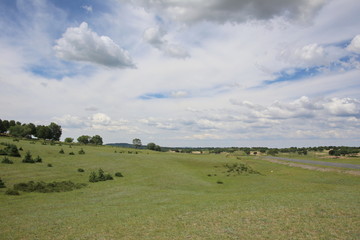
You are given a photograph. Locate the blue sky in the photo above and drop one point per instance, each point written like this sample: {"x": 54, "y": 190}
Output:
{"x": 278, "y": 73}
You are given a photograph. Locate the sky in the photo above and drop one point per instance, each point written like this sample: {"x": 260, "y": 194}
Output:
{"x": 196, "y": 73}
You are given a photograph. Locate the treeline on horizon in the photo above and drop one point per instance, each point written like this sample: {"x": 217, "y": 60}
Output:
{"x": 14, "y": 128}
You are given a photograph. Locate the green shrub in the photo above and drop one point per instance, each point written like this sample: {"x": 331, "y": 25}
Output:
{"x": 239, "y": 168}
{"x": 10, "y": 150}
{"x": 7, "y": 161}
{"x": 81, "y": 170}
{"x": 21, "y": 149}
{"x": 220, "y": 182}
{"x": 38, "y": 159}
{"x": 28, "y": 158}
{"x": 100, "y": 176}
{"x": 43, "y": 187}
{"x": 49, "y": 165}
{"x": 61, "y": 151}
{"x": 119, "y": 174}
{"x": 11, "y": 191}
{"x": 2, "y": 184}
{"x": 81, "y": 151}
{"x": 71, "y": 153}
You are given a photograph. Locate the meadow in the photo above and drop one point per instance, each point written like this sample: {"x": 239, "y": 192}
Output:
{"x": 174, "y": 196}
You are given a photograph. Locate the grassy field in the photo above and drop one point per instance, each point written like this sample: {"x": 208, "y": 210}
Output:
{"x": 171, "y": 196}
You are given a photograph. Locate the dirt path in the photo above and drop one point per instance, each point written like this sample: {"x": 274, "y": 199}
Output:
{"x": 321, "y": 169}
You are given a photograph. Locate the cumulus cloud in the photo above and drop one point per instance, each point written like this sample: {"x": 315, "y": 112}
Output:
{"x": 305, "y": 108}
{"x": 312, "y": 55}
{"x": 354, "y": 45}
{"x": 156, "y": 38}
{"x": 69, "y": 121}
{"x": 100, "y": 119}
{"x": 234, "y": 10}
{"x": 84, "y": 45}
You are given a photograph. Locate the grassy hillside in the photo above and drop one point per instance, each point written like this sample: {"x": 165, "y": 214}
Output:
{"x": 172, "y": 196}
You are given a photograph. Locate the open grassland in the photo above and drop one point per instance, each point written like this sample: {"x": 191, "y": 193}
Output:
{"x": 171, "y": 196}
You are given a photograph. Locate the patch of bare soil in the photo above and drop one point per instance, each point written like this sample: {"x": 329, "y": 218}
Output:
{"x": 309, "y": 167}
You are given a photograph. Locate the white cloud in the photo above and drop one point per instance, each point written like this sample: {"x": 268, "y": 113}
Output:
{"x": 354, "y": 46}
{"x": 156, "y": 38}
{"x": 87, "y": 8}
{"x": 84, "y": 45}
{"x": 69, "y": 121}
{"x": 100, "y": 119}
{"x": 234, "y": 10}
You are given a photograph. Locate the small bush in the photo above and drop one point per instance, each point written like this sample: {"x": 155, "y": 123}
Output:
{"x": 3, "y": 152}
{"x": 239, "y": 168}
{"x": 100, "y": 176}
{"x": 81, "y": 151}
{"x": 43, "y": 187}
{"x": 38, "y": 159}
{"x": 61, "y": 151}
{"x": 71, "y": 153}
{"x": 11, "y": 191}
{"x": 49, "y": 165}
{"x": 2, "y": 184}
{"x": 28, "y": 158}
{"x": 7, "y": 161}
{"x": 21, "y": 149}
{"x": 80, "y": 170}
{"x": 119, "y": 174}
{"x": 220, "y": 182}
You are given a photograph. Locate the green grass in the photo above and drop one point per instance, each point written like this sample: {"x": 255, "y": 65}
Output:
{"x": 171, "y": 196}
{"x": 316, "y": 156}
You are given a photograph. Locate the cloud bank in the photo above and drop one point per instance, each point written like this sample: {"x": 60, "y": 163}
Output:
{"x": 84, "y": 45}
{"x": 222, "y": 11}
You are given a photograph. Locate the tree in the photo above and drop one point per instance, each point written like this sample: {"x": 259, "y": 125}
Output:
{"x": 69, "y": 140}
{"x": 137, "y": 142}
{"x": 43, "y": 132}
{"x": 32, "y": 128}
{"x": 55, "y": 131}
{"x": 153, "y": 146}
{"x": 20, "y": 131}
{"x": 97, "y": 140}
{"x": 2, "y": 127}
{"x": 6, "y": 125}
{"x": 85, "y": 139}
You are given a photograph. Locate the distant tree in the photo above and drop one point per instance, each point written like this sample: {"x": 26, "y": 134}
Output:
{"x": 6, "y": 125}
{"x": 153, "y": 146}
{"x": 32, "y": 128}
{"x": 43, "y": 132}
{"x": 55, "y": 131}
{"x": 85, "y": 139}
{"x": 2, "y": 127}
{"x": 69, "y": 140}
{"x": 97, "y": 140}
{"x": 137, "y": 142}
{"x": 12, "y": 123}
{"x": 20, "y": 131}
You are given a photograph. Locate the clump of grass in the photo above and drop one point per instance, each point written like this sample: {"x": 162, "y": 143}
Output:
{"x": 80, "y": 170}
{"x": 81, "y": 151}
{"x": 10, "y": 150}
{"x": 118, "y": 174}
{"x": 220, "y": 182}
{"x": 43, "y": 187}
{"x": 239, "y": 169}
{"x": 99, "y": 176}
{"x": 49, "y": 165}
{"x": 2, "y": 184}
{"x": 6, "y": 160}
{"x": 61, "y": 151}
{"x": 38, "y": 159}
{"x": 71, "y": 153}
{"x": 28, "y": 158}
{"x": 13, "y": 192}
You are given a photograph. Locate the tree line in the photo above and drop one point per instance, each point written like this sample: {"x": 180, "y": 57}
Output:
{"x": 14, "y": 128}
